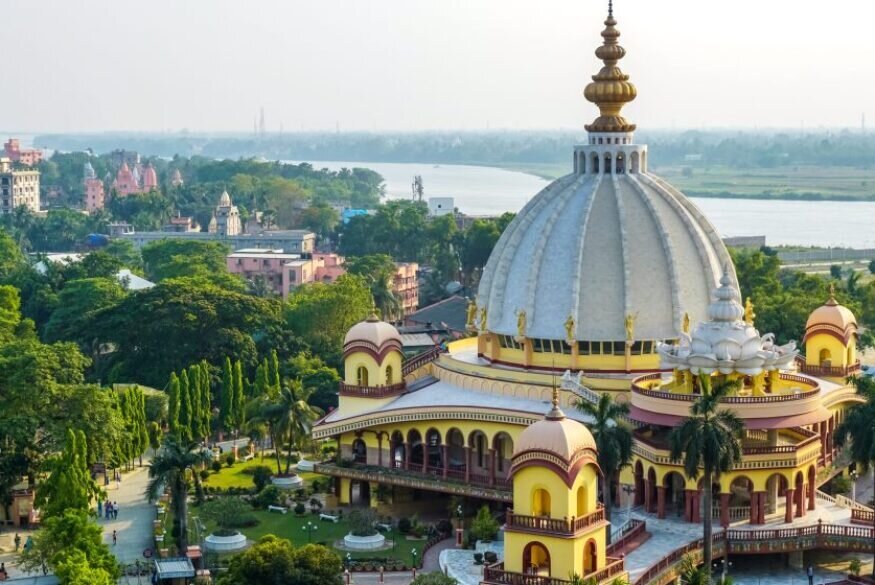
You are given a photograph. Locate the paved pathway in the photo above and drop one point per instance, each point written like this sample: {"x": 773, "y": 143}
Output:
{"x": 134, "y": 523}
{"x": 431, "y": 560}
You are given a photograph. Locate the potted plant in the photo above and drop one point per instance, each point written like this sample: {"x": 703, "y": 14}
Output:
{"x": 855, "y": 566}
{"x": 478, "y": 558}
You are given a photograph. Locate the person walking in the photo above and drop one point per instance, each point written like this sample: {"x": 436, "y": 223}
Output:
{"x": 108, "y": 510}
{"x": 114, "y": 538}
{"x": 810, "y": 575}
{"x": 99, "y": 508}
{"x": 17, "y": 541}
{"x": 28, "y": 544}
{"x": 114, "y": 510}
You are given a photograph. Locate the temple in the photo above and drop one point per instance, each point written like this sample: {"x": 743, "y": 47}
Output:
{"x": 609, "y": 280}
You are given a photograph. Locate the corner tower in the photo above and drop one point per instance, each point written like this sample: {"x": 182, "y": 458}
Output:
{"x": 831, "y": 341}
{"x": 557, "y": 526}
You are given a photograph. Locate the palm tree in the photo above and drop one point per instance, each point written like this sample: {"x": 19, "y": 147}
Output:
{"x": 173, "y": 466}
{"x": 857, "y": 430}
{"x": 263, "y": 414}
{"x": 385, "y": 299}
{"x": 297, "y": 417}
{"x": 710, "y": 440}
{"x": 613, "y": 437}
{"x": 852, "y": 285}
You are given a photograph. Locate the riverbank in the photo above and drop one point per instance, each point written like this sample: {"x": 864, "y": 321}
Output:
{"x": 798, "y": 183}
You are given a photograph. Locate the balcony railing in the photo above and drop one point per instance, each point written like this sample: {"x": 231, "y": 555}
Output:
{"x": 830, "y": 371}
{"x": 563, "y": 526}
{"x": 372, "y": 391}
{"x": 638, "y": 388}
{"x": 420, "y": 360}
{"x": 496, "y": 575}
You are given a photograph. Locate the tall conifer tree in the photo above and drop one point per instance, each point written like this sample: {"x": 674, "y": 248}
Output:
{"x": 173, "y": 403}
{"x": 184, "y": 407}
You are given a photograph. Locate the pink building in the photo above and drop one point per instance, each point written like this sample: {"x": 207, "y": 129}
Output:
{"x": 28, "y": 156}
{"x": 150, "y": 178}
{"x": 125, "y": 183}
{"x": 135, "y": 179}
{"x": 407, "y": 286}
{"x": 94, "y": 194}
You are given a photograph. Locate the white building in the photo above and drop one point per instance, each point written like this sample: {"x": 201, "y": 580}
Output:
{"x": 438, "y": 206}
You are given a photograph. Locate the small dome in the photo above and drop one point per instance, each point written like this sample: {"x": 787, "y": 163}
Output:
{"x": 373, "y": 331}
{"x": 832, "y": 313}
{"x": 556, "y": 434}
{"x": 225, "y": 199}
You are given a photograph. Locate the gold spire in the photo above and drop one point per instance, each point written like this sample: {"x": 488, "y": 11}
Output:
{"x": 610, "y": 89}
{"x": 832, "y": 295}
{"x": 555, "y": 412}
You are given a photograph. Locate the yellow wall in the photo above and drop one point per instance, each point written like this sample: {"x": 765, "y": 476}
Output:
{"x": 376, "y": 371}
{"x": 566, "y": 554}
{"x": 840, "y": 354}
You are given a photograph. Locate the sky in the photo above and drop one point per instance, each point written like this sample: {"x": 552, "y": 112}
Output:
{"x": 376, "y": 65}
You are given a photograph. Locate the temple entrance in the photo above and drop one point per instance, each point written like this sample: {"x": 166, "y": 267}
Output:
{"x": 397, "y": 443}
{"x": 433, "y": 450}
{"x": 414, "y": 443}
{"x": 359, "y": 451}
{"x": 360, "y": 493}
{"x": 590, "y": 558}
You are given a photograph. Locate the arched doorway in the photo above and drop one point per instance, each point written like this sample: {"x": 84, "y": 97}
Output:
{"x": 673, "y": 483}
{"x": 359, "y": 493}
{"x": 825, "y": 358}
{"x": 621, "y": 164}
{"x": 414, "y": 443}
{"x": 536, "y": 559}
{"x": 590, "y": 557}
{"x": 359, "y": 451}
{"x": 741, "y": 498}
{"x": 776, "y": 490}
{"x": 595, "y": 164}
{"x": 634, "y": 160}
{"x": 390, "y": 376}
{"x": 608, "y": 161}
{"x": 503, "y": 445}
{"x": 639, "y": 483}
{"x": 479, "y": 445}
{"x": 583, "y": 505}
{"x": 541, "y": 503}
{"x": 433, "y": 450}
{"x": 398, "y": 454}
{"x": 650, "y": 491}
{"x": 456, "y": 451}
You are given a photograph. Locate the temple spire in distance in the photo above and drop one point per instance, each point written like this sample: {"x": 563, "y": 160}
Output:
{"x": 610, "y": 89}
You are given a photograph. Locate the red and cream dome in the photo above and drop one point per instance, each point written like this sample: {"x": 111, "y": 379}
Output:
{"x": 561, "y": 442}
{"x": 372, "y": 335}
{"x": 833, "y": 318}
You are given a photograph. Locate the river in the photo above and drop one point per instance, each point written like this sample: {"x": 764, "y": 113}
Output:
{"x": 492, "y": 191}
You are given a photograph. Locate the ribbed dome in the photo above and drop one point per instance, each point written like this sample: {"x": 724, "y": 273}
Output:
{"x": 832, "y": 313}
{"x": 598, "y": 249}
{"x": 373, "y": 331}
{"x": 564, "y": 437}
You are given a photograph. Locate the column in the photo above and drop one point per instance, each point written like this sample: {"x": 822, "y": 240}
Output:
{"x": 492, "y": 467}
{"x": 761, "y": 507}
{"x": 800, "y": 502}
{"x": 647, "y": 496}
{"x": 379, "y": 449}
{"x": 811, "y": 493}
{"x": 639, "y": 490}
{"x": 445, "y": 459}
{"x": 724, "y": 510}
{"x": 425, "y": 456}
{"x": 467, "y": 464}
{"x": 790, "y": 497}
{"x": 689, "y": 502}
{"x": 697, "y": 498}
{"x": 660, "y": 502}
{"x": 406, "y": 455}
{"x": 754, "y": 513}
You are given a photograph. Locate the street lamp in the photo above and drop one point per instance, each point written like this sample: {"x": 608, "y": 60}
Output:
{"x": 724, "y": 567}
{"x": 309, "y": 528}
{"x": 414, "y": 553}
{"x": 854, "y": 485}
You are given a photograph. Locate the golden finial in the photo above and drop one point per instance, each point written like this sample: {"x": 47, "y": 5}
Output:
{"x": 749, "y": 315}
{"x": 610, "y": 89}
{"x": 685, "y": 323}
{"x": 555, "y": 412}
{"x": 471, "y": 316}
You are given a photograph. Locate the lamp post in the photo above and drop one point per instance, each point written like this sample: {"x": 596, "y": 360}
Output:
{"x": 854, "y": 485}
{"x": 309, "y": 528}
{"x": 724, "y": 567}
{"x": 413, "y": 553}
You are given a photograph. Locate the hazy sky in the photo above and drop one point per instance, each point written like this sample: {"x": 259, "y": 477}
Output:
{"x": 428, "y": 64}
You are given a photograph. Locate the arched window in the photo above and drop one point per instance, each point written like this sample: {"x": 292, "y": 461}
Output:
{"x": 595, "y": 164}
{"x": 359, "y": 451}
{"x": 590, "y": 558}
{"x": 362, "y": 376}
{"x": 389, "y": 376}
{"x": 582, "y": 503}
{"x": 540, "y": 502}
{"x": 825, "y": 358}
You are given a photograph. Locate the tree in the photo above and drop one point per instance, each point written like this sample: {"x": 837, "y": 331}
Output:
{"x": 77, "y": 301}
{"x": 484, "y": 526}
{"x": 273, "y": 372}
{"x": 68, "y": 542}
{"x": 206, "y": 400}
{"x": 274, "y": 561}
{"x": 262, "y": 387}
{"x": 174, "y": 467}
{"x": 194, "y": 379}
{"x": 709, "y": 439}
{"x": 10, "y": 312}
{"x": 173, "y": 403}
{"x": 296, "y": 418}
{"x": 321, "y": 314}
{"x": 178, "y": 323}
{"x": 239, "y": 400}
{"x": 69, "y": 485}
{"x": 835, "y": 271}
{"x": 872, "y": 267}
{"x": 11, "y": 257}
{"x": 321, "y": 380}
{"x": 226, "y": 411}
{"x": 613, "y": 437}
{"x": 857, "y": 431}
{"x": 378, "y": 270}
{"x": 185, "y": 407}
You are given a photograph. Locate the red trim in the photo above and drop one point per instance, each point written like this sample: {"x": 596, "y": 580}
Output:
{"x": 818, "y": 330}
{"x": 568, "y": 476}
{"x": 776, "y": 422}
{"x": 354, "y": 347}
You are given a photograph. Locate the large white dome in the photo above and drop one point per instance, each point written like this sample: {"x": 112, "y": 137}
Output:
{"x": 600, "y": 247}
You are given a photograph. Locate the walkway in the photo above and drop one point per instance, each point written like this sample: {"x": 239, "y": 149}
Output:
{"x": 134, "y": 523}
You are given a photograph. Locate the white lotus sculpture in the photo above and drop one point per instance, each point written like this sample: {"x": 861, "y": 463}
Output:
{"x": 726, "y": 343}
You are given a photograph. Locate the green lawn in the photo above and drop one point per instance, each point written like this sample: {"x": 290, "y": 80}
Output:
{"x": 235, "y": 476}
{"x": 291, "y": 527}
